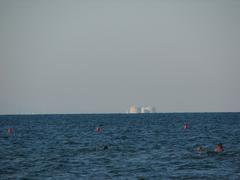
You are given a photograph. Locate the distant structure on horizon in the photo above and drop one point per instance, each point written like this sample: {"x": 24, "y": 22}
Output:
{"x": 133, "y": 109}
{"x": 143, "y": 109}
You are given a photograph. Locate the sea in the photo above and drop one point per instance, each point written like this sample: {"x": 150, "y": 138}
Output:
{"x": 119, "y": 146}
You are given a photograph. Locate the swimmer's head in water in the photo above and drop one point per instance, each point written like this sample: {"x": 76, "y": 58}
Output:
{"x": 98, "y": 129}
{"x": 200, "y": 149}
{"x": 185, "y": 125}
{"x": 219, "y": 147}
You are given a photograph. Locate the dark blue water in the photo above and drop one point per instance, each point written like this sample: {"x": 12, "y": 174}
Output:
{"x": 143, "y": 146}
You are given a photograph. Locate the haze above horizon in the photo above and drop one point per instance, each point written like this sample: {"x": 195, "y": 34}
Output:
{"x": 103, "y": 56}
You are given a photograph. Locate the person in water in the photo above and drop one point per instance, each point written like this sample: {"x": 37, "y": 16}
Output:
{"x": 200, "y": 149}
{"x": 218, "y": 148}
{"x": 105, "y": 147}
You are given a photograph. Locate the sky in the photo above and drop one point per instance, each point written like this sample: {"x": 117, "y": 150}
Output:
{"x": 81, "y": 56}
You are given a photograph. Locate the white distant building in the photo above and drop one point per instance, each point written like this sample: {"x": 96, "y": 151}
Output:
{"x": 142, "y": 109}
{"x": 148, "y": 109}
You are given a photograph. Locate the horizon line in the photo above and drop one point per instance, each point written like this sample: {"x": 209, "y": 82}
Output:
{"x": 105, "y": 113}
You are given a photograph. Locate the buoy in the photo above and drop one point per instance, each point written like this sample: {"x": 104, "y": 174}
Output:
{"x": 98, "y": 129}
{"x": 10, "y": 130}
{"x": 185, "y": 126}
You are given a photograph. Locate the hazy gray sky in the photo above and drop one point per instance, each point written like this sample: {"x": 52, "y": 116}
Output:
{"x": 102, "y": 56}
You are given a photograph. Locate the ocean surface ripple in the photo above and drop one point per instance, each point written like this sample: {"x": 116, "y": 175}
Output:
{"x": 129, "y": 146}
